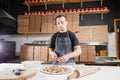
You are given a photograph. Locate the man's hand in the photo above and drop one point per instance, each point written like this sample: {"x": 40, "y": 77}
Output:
{"x": 54, "y": 56}
{"x": 64, "y": 58}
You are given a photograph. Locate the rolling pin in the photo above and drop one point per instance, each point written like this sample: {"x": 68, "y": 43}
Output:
{"x": 82, "y": 72}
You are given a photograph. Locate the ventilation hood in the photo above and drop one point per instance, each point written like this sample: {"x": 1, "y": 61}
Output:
{"x": 7, "y": 19}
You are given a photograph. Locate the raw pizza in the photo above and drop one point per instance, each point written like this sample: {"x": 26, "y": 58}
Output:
{"x": 56, "y": 69}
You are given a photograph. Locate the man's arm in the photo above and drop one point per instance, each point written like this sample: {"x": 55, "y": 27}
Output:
{"x": 77, "y": 51}
{"x": 52, "y": 54}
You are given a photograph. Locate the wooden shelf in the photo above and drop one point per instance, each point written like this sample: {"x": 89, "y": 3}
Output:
{"x": 56, "y": 2}
{"x": 34, "y": 33}
{"x": 95, "y": 12}
{"x": 88, "y": 12}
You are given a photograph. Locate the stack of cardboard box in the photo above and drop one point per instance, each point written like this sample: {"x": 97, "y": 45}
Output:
{"x": 40, "y": 53}
{"x": 23, "y": 23}
{"x": 45, "y": 23}
{"x": 88, "y": 54}
{"x": 26, "y": 53}
{"x": 34, "y": 53}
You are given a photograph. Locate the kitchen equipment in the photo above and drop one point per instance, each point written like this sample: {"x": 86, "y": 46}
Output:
{"x": 83, "y": 71}
{"x": 25, "y": 75}
{"x": 40, "y": 42}
{"x": 7, "y": 50}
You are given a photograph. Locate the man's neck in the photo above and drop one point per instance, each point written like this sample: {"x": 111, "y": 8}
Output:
{"x": 63, "y": 31}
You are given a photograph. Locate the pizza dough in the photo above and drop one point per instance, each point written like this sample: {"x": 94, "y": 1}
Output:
{"x": 56, "y": 69}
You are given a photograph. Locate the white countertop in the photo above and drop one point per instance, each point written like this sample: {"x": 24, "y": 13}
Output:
{"x": 105, "y": 73}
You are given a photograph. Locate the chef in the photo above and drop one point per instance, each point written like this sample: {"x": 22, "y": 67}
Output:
{"x": 64, "y": 45}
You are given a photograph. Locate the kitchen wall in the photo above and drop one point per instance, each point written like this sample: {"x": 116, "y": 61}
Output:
{"x": 113, "y": 5}
{"x": 21, "y": 39}
{"x": 111, "y": 45}
{"x": 16, "y": 8}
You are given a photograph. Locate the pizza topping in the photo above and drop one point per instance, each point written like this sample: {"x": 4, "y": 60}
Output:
{"x": 56, "y": 69}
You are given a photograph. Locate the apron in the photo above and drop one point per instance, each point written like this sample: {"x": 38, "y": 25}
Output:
{"x": 63, "y": 46}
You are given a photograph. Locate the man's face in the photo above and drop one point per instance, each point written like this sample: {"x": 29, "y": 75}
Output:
{"x": 61, "y": 23}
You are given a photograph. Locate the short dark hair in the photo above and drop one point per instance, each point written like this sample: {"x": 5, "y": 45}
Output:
{"x": 60, "y": 15}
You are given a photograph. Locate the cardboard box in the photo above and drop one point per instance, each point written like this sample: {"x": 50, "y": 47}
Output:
{"x": 91, "y": 53}
{"x": 103, "y": 53}
{"x": 32, "y": 23}
{"x": 77, "y": 58}
{"x": 83, "y": 57}
{"x": 20, "y": 29}
{"x": 37, "y": 49}
{"x": 55, "y": 29}
{"x": 70, "y": 20}
{"x": 37, "y": 56}
{"x": 26, "y": 53}
{"x": 38, "y": 22}
{"x": 44, "y": 27}
{"x": 20, "y": 21}
{"x": 49, "y": 58}
{"x": 44, "y": 49}
{"x": 75, "y": 21}
{"x": 41, "y": 53}
{"x": 26, "y": 24}
{"x": 23, "y": 53}
{"x": 23, "y": 23}
{"x": 88, "y": 54}
{"x": 100, "y": 33}
{"x": 50, "y": 23}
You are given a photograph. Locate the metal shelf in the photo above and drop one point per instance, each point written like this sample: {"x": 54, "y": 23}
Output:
{"x": 91, "y": 43}
{"x": 55, "y": 2}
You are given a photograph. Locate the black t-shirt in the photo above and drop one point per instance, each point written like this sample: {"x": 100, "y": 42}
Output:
{"x": 73, "y": 38}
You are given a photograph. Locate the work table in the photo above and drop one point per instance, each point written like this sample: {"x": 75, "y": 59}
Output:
{"x": 105, "y": 72}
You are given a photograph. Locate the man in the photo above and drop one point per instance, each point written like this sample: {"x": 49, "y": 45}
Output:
{"x": 64, "y": 45}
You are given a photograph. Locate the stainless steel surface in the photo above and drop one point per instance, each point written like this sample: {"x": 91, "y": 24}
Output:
{"x": 41, "y": 42}
{"x": 95, "y": 43}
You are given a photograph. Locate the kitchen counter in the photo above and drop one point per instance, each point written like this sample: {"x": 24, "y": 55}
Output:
{"x": 105, "y": 73}
{"x": 34, "y": 68}
{"x": 82, "y": 44}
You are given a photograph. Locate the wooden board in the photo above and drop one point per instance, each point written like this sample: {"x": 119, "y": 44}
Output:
{"x": 9, "y": 75}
